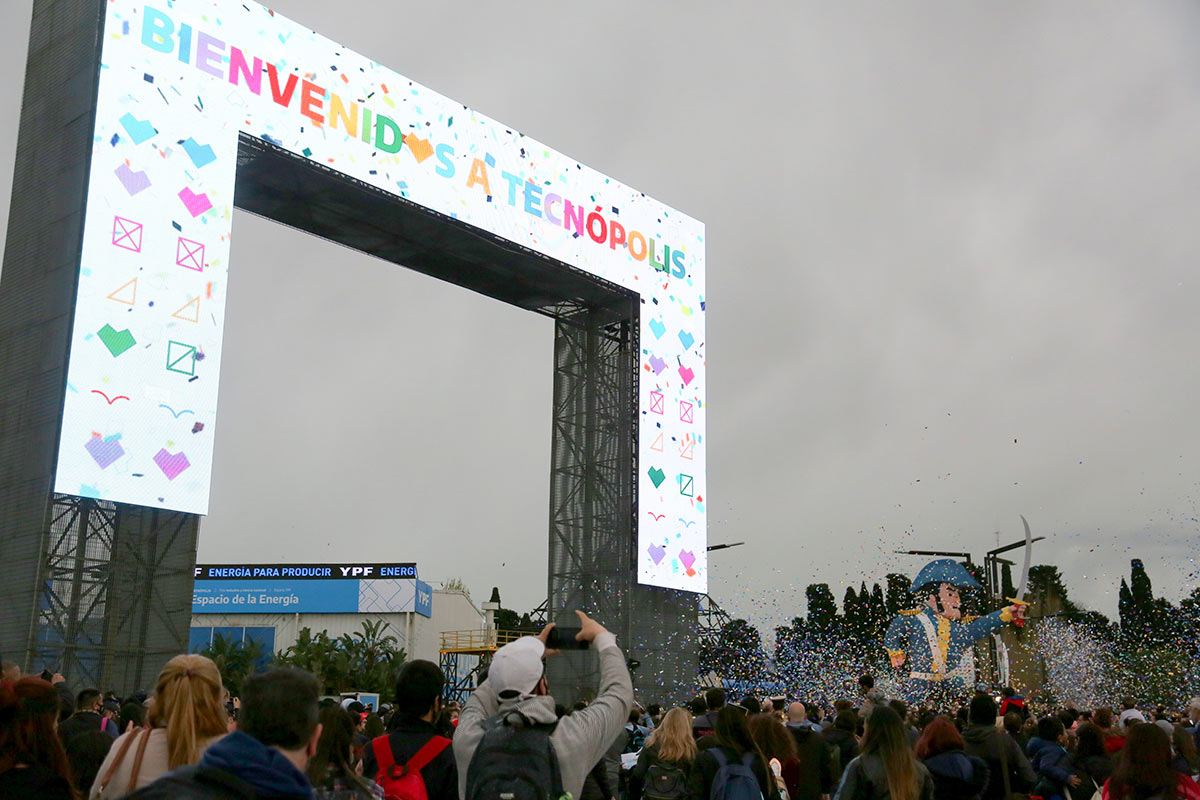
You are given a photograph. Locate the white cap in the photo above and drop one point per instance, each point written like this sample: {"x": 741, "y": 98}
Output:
{"x": 517, "y": 667}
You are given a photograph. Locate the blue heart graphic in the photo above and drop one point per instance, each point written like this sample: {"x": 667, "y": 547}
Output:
{"x": 658, "y": 328}
{"x": 139, "y": 130}
{"x": 687, "y": 339}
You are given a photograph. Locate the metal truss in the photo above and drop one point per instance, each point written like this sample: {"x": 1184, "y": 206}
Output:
{"x": 462, "y": 673}
{"x": 593, "y": 512}
{"x": 116, "y": 592}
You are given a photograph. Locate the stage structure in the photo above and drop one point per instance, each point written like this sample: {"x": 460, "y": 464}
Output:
{"x": 143, "y": 126}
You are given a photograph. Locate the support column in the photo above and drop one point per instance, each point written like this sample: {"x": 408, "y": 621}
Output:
{"x": 593, "y": 514}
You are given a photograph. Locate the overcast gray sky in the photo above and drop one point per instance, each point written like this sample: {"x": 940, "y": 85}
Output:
{"x": 951, "y": 279}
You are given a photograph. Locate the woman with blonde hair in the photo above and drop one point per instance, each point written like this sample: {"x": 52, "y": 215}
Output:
{"x": 665, "y": 764}
{"x": 187, "y": 716}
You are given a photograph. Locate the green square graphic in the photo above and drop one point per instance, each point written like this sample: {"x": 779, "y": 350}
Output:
{"x": 181, "y": 358}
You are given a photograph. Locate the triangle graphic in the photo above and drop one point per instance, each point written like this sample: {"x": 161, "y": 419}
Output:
{"x": 129, "y": 297}
{"x": 193, "y": 315}
{"x": 658, "y": 444}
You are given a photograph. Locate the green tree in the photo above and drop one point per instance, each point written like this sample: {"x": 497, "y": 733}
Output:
{"x": 879, "y": 612}
{"x": 822, "y": 610}
{"x": 368, "y": 660}
{"x": 235, "y": 660}
{"x": 1007, "y": 587}
{"x": 852, "y": 613}
{"x": 899, "y": 593}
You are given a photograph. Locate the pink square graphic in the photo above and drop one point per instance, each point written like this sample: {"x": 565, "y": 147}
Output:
{"x": 656, "y": 402}
{"x": 189, "y": 254}
{"x": 127, "y": 234}
{"x": 685, "y": 411}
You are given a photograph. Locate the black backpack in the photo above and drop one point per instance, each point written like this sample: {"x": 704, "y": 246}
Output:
{"x": 635, "y": 739}
{"x": 665, "y": 781}
{"x": 515, "y": 760}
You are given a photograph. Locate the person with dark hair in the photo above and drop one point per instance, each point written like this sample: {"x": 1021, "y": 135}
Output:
{"x": 704, "y": 724}
{"x": 1013, "y": 703}
{"x": 956, "y": 775}
{"x": 817, "y": 771}
{"x": 32, "y": 760}
{"x": 1185, "y": 760}
{"x": 1009, "y": 770}
{"x": 418, "y": 703}
{"x": 840, "y": 736}
{"x": 133, "y": 715}
{"x": 373, "y": 725}
{"x": 87, "y": 737}
{"x": 330, "y": 770}
{"x": 731, "y": 744}
{"x": 866, "y": 690}
{"x": 751, "y": 704}
{"x": 776, "y": 744}
{"x": 886, "y": 768}
{"x": 1091, "y": 761}
{"x": 1143, "y": 770}
{"x": 87, "y": 717}
{"x": 278, "y": 731}
{"x": 1013, "y": 723}
{"x": 1052, "y": 763}
{"x": 1114, "y": 740}
{"x": 901, "y": 709}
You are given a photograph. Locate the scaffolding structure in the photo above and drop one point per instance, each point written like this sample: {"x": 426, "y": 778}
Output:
{"x": 115, "y": 597}
{"x": 593, "y": 513}
{"x": 465, "y": 655}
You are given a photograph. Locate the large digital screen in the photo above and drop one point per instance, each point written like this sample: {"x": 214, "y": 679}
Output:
{"x": 179, "y": 81}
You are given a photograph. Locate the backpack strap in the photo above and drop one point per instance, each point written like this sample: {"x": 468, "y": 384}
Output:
{"x": 428, "y": 752}
{"x": 556, "y": 784}
{"x": 719, "y": 755}
{"x": 382, "y": 748}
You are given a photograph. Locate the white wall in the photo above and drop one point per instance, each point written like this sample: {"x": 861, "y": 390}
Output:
{"x": 452, "y": 611}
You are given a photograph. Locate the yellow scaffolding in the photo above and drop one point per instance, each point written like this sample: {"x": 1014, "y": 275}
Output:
{"x": 477, "y": 642}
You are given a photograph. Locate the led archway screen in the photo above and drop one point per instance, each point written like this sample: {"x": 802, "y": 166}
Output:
{"x": 180, "y": 84}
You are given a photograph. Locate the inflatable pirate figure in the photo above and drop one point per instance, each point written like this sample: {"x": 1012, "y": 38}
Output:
{"x": 933, "y": 645}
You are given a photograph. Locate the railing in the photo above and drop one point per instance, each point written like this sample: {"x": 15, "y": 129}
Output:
{"x": 477, "y": 640}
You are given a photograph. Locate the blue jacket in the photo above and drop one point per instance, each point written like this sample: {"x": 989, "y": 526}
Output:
{"x": 957, "y": 776}
{"x": 1053, "y": 763}
{"x": 906, "y": 635}
{"x": 238, "y": 766}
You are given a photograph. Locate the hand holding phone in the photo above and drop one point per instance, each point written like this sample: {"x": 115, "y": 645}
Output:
{"x": 564, "y": 638}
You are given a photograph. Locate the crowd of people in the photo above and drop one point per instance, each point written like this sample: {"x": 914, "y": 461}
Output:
{"x": 512, "y": 741}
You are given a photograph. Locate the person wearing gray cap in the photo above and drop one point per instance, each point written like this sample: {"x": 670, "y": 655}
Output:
{"x": 516, "y": 688}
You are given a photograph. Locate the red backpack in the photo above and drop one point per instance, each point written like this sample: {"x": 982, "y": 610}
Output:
{"x": 405, "y": 782}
